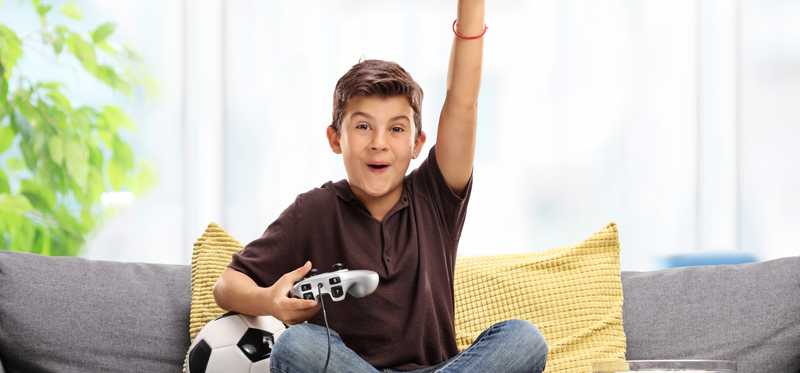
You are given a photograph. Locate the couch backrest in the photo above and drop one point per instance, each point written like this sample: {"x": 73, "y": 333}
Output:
{"x": 746, "y": 312}
{"x": 63, "y": 314}
{"x": 77, "y": 315}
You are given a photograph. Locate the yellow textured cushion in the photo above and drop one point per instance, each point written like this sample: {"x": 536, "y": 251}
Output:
{"x": 210, "y": 256}
{"x": 573, "y": 295}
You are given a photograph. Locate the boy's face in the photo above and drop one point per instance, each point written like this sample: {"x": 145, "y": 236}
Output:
{"x": 377, "y": 141}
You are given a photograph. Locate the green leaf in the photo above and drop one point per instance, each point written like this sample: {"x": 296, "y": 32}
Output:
{"x": 77, "y": 158}
{"x": 105, "y": 133}
{"x": 96, "y": 186}
{"x": 146, "y": 178}
{"x": 55, "y": 145}
{"x": 83, "y": 51}
{"x": 56, "y": 119}
{"x": 105, "y": 47}
{"x": 102, "y": 32}
{"x": 56, "y": 178}
{"x": 59, "y": 100}
{"x": 22, "y": 102}
{"x": 6, "y": 138}
{"x": 50, "y": 85}
{"x": 14, "y": 204}
{"x": 41, "y": 241}
{"x": 4, "y": 187}
{"x": 71, "y": 10}
{"x": 39, "y": 142}
{"x": 3, "y": 92}
{"x": 131, "y": 54}
{"x": 22, "y": 236}
{"x": 116, "y": 175}
{"x": 60, "y": 38}
{"x": 108, "y": 75}
{"x": 96, "y": 158}
{"x": 39, "y": 196}
{"x": 83, "y": 119}
{"x": 115, "y": 118}
{"x": 43, "y": 9}
{"x": 122, "y": 154}
{"x": 28, "y": 154}
{"x": 10, "y": 49}
{"x": 69, "y": 224}
{"x": 15, "y": 164}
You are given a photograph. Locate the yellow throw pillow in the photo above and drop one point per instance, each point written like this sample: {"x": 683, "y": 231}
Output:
{"x": 210, "y": 256}
{"x": 573, "y": 295}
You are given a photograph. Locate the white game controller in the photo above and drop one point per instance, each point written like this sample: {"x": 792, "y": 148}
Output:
{"x": 337, "y": 284}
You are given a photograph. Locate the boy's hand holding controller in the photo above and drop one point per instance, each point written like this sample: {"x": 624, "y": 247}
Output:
{"x": 235, "y": 291}
{"x": 286, "y": 308}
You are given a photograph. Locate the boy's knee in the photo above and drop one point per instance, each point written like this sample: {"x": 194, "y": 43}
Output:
{"x": 531, "y": 342}
{"x": 297, "y": 343}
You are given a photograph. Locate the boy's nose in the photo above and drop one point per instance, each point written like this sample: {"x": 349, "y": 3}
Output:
{"x": 378, "y": 142}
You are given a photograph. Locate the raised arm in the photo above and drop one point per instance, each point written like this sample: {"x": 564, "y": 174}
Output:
{"x": 455, "y": 140}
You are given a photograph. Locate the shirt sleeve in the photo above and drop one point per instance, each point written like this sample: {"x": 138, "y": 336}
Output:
{"x": 275, "y": 253}
{"x": 452, "y": 208}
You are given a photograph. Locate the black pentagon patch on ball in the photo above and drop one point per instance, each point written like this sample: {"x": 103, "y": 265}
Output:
{"x": 229, "y": 313}
{"x": 256, "y": 344}
{"x": 198, "y": 358}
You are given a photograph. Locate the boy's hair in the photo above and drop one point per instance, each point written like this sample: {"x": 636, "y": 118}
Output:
{"x": 376, "y": 78}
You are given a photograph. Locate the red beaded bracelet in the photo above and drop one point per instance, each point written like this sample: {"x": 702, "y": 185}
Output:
{"x": 465, "y": 37}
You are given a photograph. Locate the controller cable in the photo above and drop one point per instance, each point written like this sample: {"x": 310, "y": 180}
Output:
{"x": 327, "y": 328}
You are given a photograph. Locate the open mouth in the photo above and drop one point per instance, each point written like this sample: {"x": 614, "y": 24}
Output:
{"x": 378, "y": 167}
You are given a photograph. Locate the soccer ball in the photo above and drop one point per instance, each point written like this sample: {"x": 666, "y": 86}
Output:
{"x": 234, "y": 343}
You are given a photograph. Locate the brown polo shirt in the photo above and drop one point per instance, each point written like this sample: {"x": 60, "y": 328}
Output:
{"x": 408, "y": 322}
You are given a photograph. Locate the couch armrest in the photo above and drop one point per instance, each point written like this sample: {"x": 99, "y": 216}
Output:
{"x": 745, "y": 312}
{"x": 113, "y": 316}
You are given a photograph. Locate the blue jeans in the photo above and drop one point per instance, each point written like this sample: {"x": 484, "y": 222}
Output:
{"x": 508, "y": 346}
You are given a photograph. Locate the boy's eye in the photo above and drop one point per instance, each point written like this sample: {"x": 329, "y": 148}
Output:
{"x": 362, "y": 126}
{"x": 398, "y": 129}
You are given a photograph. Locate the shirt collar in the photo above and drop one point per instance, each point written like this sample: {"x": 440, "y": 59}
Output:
{"x": 343, "y": 191}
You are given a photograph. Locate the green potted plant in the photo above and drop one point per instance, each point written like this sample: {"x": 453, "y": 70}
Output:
{"x": 58, "y": 158}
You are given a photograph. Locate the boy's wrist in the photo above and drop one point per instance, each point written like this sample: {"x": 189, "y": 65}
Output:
{"x": 261, "y": 300}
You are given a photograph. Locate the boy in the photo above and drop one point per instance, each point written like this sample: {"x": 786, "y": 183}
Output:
{"x": 405, "y": 228}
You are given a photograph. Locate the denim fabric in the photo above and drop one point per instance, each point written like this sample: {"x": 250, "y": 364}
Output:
{"x": 508, "y": 346}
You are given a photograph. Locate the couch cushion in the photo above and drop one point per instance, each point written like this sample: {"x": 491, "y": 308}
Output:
{"x": 210, "y": 256}
{"x": 748, "y": 312}
{"x": 572, "y": 294}
{"x": 62, "y": 314}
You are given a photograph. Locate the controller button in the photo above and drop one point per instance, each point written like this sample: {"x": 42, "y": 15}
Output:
{"x": 337, "y": 291}
{"x": 308, "y": 296}
{"x": 335, "y": 280}
{"x": 305, "y": 287}
{"x": 338, "y": 266}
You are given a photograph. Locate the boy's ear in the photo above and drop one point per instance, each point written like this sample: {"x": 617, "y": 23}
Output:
{"x": 419, "y": 143}
{"x": 333, "y": 140}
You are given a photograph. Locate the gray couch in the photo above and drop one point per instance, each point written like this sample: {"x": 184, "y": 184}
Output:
{"x": 76, "y": 315}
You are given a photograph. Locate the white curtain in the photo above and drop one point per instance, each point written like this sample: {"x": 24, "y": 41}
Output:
{"x": 678, "y": 121}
